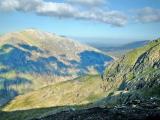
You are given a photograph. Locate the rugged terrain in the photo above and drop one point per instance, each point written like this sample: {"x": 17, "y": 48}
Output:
{"x": 139, "y": 69}
{"x": 134, "y": 110}
{"x": 129, "y": 90}
{"x": 32, "y": 59}
{"x": 79, "y": 91}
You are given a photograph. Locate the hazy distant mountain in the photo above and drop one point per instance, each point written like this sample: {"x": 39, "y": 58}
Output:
{"x": 31, "y": 59}
{"x": 119, "y": 50}
{"x": 127, "y": 46}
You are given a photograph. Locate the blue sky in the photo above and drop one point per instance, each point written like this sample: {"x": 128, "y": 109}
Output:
{"x": 103, "y": 21}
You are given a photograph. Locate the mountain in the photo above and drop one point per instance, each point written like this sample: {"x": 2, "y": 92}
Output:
{"x": 129, "y": 89}
{"x": 128, "y": 46}
{"x": 79, "y": 91}
{"x": 119, "y": 50}
{"x": 32, "y": 59}
{"x": 137, "y": 69}
{"x": 134, "y": 45}
{"x": 135, "y": 76}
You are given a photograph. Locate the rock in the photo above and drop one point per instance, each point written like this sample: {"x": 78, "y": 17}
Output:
{"x": 138, "y": 110}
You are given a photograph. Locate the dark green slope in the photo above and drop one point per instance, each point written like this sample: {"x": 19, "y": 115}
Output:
{"x": 138, "y": 69}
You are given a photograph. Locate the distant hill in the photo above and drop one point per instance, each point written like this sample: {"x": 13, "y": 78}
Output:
{"x": 32, "y": 59}
{"x": 127, "y": 46}
{"x": 120, "y": 50}
{"x": 135, "y": 44}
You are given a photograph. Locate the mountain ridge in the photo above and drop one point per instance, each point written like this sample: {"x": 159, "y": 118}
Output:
{"x": 118, "y": 51}
{"x": 118, "y": 80}
{"x": 129, "y": 88}
{"x": 32, "y": 59}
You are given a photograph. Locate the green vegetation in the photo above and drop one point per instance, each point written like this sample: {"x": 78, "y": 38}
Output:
{"x": 34, "y": 113}
{"x": 137, "y": 72}
{"x": 126, "y": 64}
{"x": 32, "y": 59}
{"x": 79, "y": 93}
{"x": 131, "y": 57}
{"x": 130, "y": 76}
{"x": 155, "y": 91}
{"x": 74, "y": 92}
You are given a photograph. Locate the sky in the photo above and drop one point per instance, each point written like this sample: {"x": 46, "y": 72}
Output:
{"x": 90, "y": 21}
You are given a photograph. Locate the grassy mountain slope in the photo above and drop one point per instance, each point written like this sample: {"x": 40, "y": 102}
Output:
{"x": 74, "y": 92}
{"x": 135, "y": 75}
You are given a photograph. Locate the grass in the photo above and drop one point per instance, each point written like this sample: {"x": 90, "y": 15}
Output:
{"x": 70, "y": 94}
{"x": 132, "y": 56}
{"x": 79, "y": 93}
{"x": 155, "y": 91}
{"x": 74, "y": 92}
{"x": 128, "y": 61}
{"x": 8, "y": 75}
{"x": 38, "y": 112}
{"x": 130, "y": 76}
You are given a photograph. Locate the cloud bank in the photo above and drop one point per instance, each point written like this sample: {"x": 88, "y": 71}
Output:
{"x": 87, "y": 2}
{"x": 148, "y": 14}
{"x": 67, "y": 10}
{"x": 93, "y": 10}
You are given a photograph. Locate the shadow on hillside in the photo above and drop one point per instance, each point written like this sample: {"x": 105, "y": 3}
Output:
{"x": 19, "y": 60}
{"x": 31, "y": 48}
{"x": 7, "y": 90}
{"x": 32, "y": 114}
{"x": 89, "y": 59}
{"x": 15, "y": 60}
{"x": 83, "y": 113}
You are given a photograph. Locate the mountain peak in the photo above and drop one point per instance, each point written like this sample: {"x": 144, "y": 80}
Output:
{"x": 34, "y": 30}
{"x": 31, "y": 29}
{"x": 35, "y": 59}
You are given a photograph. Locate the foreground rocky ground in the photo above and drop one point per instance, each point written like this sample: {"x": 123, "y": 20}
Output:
{"x": 132, "y": 110}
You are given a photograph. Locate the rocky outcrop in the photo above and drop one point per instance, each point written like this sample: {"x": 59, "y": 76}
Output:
{"x": 133, "y": 110}
{"x": 139, "y": 69}
{"x": 131, "y": 87}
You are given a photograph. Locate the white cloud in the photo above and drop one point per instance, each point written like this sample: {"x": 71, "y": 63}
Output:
{"x": 56, "y": 9}
{"x": 109, "y": 17}
{"x": 8, "y": 5}
{"x": 65, "y": 10}
{"x": 20, "y": 5}
{"x": 148, "y": 14}
{"x": 87, "y": 2}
